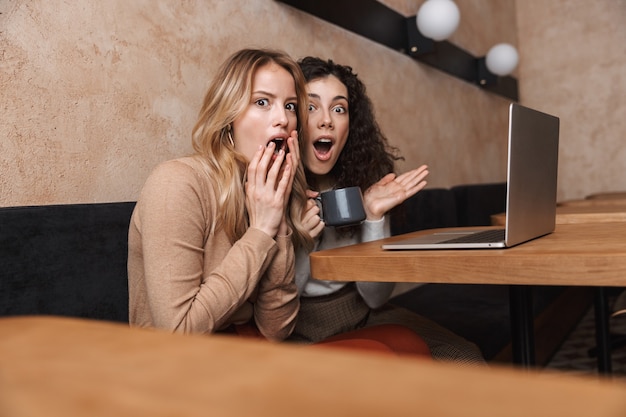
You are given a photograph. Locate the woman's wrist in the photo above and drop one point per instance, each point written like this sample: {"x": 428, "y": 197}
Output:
{"x": 283, "y": 230}
{"x": 371, "y": 216}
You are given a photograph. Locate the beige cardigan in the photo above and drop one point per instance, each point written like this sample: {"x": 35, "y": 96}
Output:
{"x": 185, "y": 279}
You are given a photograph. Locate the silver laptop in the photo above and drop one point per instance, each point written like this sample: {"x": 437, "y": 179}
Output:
{"x": 531, "y": 189}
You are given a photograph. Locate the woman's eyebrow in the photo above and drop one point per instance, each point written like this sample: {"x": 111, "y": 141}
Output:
{"x": 317, "y": 96}
{"x": 271, "y": 95}
{"x": 263, "y": 93}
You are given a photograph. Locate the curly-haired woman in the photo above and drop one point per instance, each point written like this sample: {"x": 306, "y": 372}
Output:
{"x": 345, "y": 147}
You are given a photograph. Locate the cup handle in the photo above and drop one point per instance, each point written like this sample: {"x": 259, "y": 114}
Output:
{"x": 318, "y": 202}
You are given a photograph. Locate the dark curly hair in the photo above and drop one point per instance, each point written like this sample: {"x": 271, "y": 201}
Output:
{"x": 367, "y": 155}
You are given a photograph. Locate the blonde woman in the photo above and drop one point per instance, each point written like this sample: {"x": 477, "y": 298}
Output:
{"x": 212, "y": 237}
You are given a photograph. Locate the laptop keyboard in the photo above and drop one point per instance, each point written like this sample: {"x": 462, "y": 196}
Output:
{"x": 492, "y": 235}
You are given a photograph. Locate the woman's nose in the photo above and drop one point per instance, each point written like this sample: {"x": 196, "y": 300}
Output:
{"x": 280, "y": 117}
{"x": 326, "y": 121}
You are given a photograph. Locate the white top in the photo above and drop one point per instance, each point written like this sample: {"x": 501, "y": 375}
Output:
{"x": 375, "y": 294}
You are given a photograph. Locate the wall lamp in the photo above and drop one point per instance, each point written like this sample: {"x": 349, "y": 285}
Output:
{"x": 423, "y": 37}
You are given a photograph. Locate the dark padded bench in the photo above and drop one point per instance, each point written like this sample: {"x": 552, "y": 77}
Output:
{"x": 67, "y": 260}
{"x": 70, "y": 260}
{"x": 475, "y": 203}
{"x": 429, "y": 209}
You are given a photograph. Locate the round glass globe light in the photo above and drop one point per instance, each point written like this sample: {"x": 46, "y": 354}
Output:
{"x": 502, "y": 59}
{"x": 438, "y": 19}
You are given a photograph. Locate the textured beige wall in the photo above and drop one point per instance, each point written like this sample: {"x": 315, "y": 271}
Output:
{"x": 94, "y": 94}
{"x": 575, "y": 67}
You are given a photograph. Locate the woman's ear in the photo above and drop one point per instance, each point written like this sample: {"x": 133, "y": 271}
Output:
{"x": 229, "y": 130}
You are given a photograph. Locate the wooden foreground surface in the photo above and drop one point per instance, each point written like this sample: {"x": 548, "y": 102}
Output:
{"x": 69, "y": 367}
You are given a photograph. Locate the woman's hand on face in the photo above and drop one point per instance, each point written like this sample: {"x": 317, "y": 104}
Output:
{"x": 294, "y": 148}
{"x": 268, "y": 187}
{"x": 294, "y": 161}
{"x": 392, "y": 190}
{"x": 311, "y": 219}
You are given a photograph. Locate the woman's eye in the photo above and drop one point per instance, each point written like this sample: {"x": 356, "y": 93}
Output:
{"x": 339, "y": 109}
{"x": 311, "y": 108}
{"x": 262, "y": 102}
{"x": 291, "y": 106}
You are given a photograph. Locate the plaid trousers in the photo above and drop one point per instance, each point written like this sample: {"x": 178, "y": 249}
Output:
{"x": 325, "y": 316}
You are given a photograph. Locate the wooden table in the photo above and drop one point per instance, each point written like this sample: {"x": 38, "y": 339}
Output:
{"x": 595, "y": 210}
{"x": 590, "y": 212}
{"x": 585, "y": 254}
{"x": 594, "y": 202}
{"x": 577, "y": 254}
{"x": 607, "y": 195}
{"x": 60, "y": 367}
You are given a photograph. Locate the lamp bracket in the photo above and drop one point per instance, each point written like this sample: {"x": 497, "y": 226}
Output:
{"x": 375, "y": 21}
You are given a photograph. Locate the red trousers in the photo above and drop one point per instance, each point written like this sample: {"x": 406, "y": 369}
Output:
{"x": 384, "y": 338}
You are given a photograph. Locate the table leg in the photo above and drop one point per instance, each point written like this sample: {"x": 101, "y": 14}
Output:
{"x": 603, "y": 336}
{"x": 522, "y": 325}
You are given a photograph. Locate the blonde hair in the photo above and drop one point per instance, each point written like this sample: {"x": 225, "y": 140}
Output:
{"x": 228, "y": 95}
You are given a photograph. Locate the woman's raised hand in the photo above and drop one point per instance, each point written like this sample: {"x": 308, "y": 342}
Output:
{"x": 268, "y": 186}
{"x": 392, "y": 190}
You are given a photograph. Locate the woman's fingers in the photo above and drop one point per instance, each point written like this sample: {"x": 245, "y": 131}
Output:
{"x": 311, "y": 194}
{"x": 387, "y": 179}
{"x": 413, "y": 176}
{"x": 311, "y": 214}
{"x": 251, "y": 172}
{"x": 311, "y": 220}
{"x": 266, "y": 172}
{"x": 285, "y": 182}
{"x": 413, "y": 181}
{"x": 270, "y": 178}
{"x": 390, "y": 191}
{"x": 265, "y": 194}
{"x": 294, "y": 157}
{"x": 294, "y": 148}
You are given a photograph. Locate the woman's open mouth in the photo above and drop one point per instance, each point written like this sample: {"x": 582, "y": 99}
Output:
{"x": 280, "y": 144}
{"x": 322, "y": 148}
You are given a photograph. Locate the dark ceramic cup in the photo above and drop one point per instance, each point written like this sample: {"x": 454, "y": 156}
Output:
{"x": 341, "y": 207}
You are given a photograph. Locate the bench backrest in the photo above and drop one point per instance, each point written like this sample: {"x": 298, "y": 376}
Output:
{"x": 67, "y": 260}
